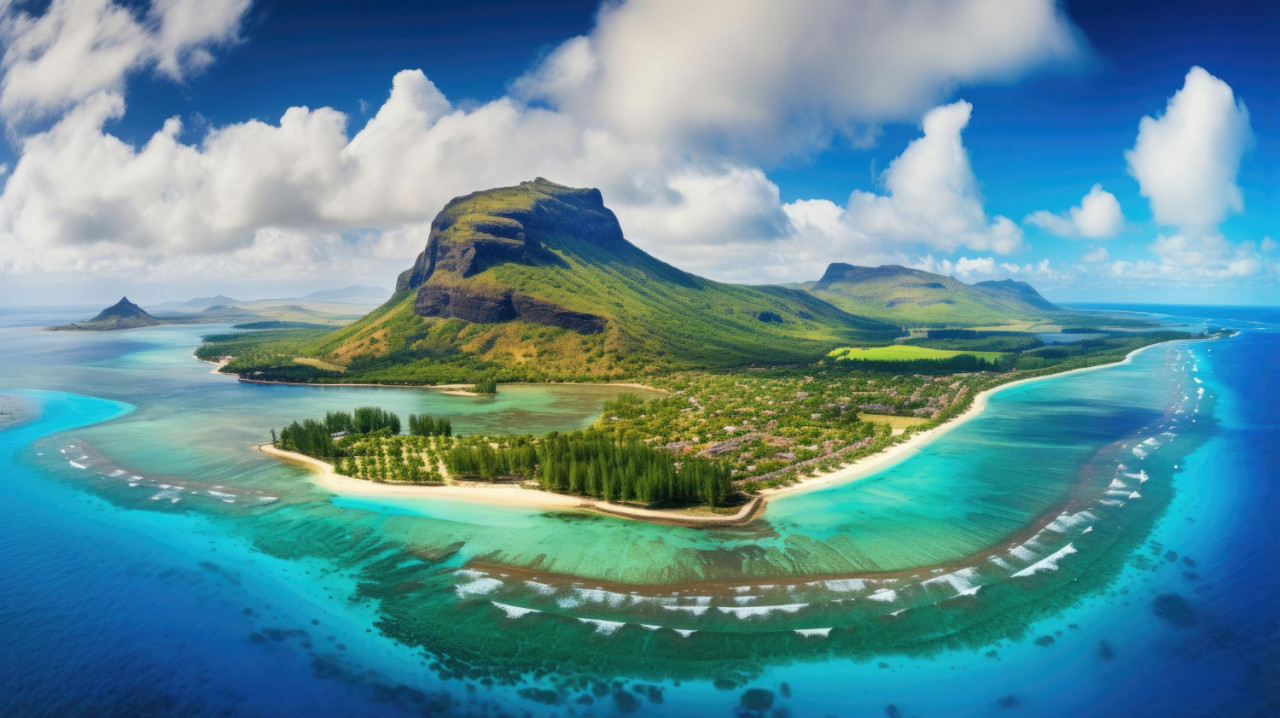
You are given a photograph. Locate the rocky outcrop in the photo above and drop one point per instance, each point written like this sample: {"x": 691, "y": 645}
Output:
{"x": 507, "y": 225}
{"x": 502, "y": 306}
{"x": 483, "y": 229}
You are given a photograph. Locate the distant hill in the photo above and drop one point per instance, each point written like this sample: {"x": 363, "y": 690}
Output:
{"x": 912, "y": 297}
{"x": 206, "y": 302}
{"x": 124, "y": 314}
{"x": 1020, "y": 291}
{"x": 538, "y": 280}
{"x": 351, "y": 295}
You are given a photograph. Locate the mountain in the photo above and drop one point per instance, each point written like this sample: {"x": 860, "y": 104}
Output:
{"x": 1019, "y": 291}
{"x": 538, "y": 281}
{"x": 912, "y": 297}
{"x": 124, "y": 314}
{"x": 350, "y": 295}
{"x": 205, "y": 302}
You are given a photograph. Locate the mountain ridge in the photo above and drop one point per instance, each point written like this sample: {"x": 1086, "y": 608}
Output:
{"x": 914, "y": 297}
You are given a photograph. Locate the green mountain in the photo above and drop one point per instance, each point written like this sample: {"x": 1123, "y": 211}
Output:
{"x": 537, "y": 281}
{"x": 915, "y": 298}
{"x": 124, "y": 314}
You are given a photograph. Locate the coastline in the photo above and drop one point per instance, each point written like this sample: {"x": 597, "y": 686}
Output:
{"x": 450, "y": 389}
{"x": 501, "y": 495}
{"x": 508, "y": 495}
{"x": 868, "y": 465}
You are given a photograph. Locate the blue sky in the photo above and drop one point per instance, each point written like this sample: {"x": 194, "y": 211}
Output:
{"x": 767, "y": 198}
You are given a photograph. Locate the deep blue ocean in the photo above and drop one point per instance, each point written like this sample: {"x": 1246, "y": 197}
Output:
{"x": 112, "y": 607}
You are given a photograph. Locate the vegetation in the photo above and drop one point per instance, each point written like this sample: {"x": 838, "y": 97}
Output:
{"x": 914, "y": 298}
{"x": 903, "y": 352}
{"x": 485, "y": 386}
{"x": 656, "y": 318}
{"x": 425, "y": 425}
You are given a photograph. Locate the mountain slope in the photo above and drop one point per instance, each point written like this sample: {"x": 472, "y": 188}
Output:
{"x": 911, "y": 297}
{"x": 1019, "y": 291}
{"x": 537, "y": 281}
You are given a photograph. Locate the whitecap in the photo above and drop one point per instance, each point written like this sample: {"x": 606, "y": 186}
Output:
{"x": 695, "y": 610}
{"x": 1135, "y": 495}
{"x": 514, "y": 611}
{"x": 478, "y": 587}
{"x": 77, "y": 465}
{"x": 752, "y": 611}
{"x": 470, "y": 572}
{"x": 1087, "y": 530}
{"x": 885, "y": 594}
{"x": 1048, "y": 563}
{"x": 1110, "y": 502}
{"x": 221, "y": 495}
{"x": 685, "y": 632}
{"x": 648, "y": 626}
{"x": 599, "y": 595}
{"x": 744, "y": 599}
{"x": 603, "y": 626}
{"x": 808, "y": 632}
{"x": 845, "y": 585}
{"x": 960, "y": 580}
{"x": 541, "y": 588}
{"x": 1000, "y": 562}
{"x": 1022, "y": 553}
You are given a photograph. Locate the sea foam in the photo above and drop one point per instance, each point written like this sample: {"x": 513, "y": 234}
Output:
{"x": 1048, "y": 563}
{"x": 515, "y": 611}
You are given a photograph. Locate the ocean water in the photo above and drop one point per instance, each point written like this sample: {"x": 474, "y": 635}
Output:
{"x": 1099, "y": 541}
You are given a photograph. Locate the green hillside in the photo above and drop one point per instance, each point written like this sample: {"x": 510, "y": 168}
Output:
{"x": 915, "y": 298}
{"x": 537, "y": 282}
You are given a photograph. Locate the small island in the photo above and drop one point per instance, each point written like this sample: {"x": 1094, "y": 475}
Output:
{"x": 124, "y": 314}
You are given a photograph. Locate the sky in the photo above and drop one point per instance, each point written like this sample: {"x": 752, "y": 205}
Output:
{"x": 1103, "y": 151}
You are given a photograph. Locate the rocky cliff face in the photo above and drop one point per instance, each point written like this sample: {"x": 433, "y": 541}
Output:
{"x": 514, "y": 224}
{"x": 504, "y": 306}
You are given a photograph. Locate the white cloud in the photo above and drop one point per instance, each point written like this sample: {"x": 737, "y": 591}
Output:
{"x": 1098, "y": 216}
{"x": 761, "y": 79}
{"x": 1200, "y": 259}
{"x": 1096, "y": 255}
{"x": 976, "y": 269}
{"x": 931, "y": 195}
{"x": 78, "y": 48}
{"x": 1186, "y": 161}
{"x": 78, "y": 187}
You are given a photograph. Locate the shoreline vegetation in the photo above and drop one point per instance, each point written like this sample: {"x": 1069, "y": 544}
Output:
{"x": 527, "y": 494}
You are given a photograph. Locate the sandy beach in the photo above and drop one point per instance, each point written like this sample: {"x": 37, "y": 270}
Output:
{"x": 501, "y": 495}
{"x": 510, "y": 495}
{"x": 868, "y": 465}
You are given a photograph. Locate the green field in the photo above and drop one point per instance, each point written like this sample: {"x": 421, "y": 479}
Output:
{"x": 903, "y": 352}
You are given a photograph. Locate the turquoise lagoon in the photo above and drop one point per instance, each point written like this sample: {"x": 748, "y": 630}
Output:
{"x": 1097, "y": 540}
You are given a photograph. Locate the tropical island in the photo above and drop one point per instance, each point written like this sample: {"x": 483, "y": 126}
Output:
{"x": 764, "y": 387}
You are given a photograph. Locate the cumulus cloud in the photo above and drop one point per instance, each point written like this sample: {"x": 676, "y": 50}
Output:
{"x": 78, "y": 187}
{"x": 1209, "y": 258}
{"x": 1186, "y": 161}
{"x": 767, "y": 78}
{"x": 78, "y": 48}
{"x": 1098, "y": 216}
{"x": 976, "y": 269}
{"x": 930, "y": 198}
{"x": 1096, "y": 255}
